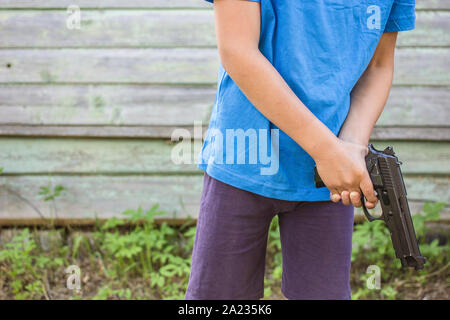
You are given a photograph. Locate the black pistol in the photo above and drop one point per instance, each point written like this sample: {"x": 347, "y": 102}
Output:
{"x": 384, "y": 170}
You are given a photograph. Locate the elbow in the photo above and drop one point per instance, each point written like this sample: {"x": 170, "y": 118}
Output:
{"x": 229, "y": 55}
{"x": 382, "y": 62}
{"x": 386, "y": 67}
{"x": 234, "y": 56}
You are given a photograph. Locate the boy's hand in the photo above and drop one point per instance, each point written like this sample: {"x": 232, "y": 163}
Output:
{"x": 352, "y": 196}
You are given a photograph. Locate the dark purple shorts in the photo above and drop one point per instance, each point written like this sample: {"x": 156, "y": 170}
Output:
{"x": 230, "y": 243}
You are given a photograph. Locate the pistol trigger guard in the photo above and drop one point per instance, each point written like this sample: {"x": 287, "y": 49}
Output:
{"x": 366, "y": 212}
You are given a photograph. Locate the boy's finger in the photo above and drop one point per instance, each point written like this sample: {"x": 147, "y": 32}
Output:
{"x": 355, "y": 197}
{"x": 334, "y": 195}
{"x": 345, "y": 196}
{"x": 370, "y": 205}
{"x": 367, "y": 188}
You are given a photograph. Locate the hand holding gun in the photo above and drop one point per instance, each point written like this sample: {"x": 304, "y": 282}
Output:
{"x": 387, "y": 179}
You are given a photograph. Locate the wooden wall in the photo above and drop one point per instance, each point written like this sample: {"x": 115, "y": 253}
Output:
{"x": 93, "y": 109}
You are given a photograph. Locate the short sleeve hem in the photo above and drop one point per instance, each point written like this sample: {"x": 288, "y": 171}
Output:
{"x": 400, "y": 24}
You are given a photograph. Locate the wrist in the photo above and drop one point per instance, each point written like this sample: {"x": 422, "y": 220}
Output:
{"x": 354, "y": 137}
{"x": 325, "y": 148}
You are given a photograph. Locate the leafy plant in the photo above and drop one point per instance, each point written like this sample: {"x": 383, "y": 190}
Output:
{"x": 136, "y": 257}
{"x": 24, "y": 268}
{"x": 106, "y": 292}
{"x": 149, "y": 250}
{"x": 50, "y": 194}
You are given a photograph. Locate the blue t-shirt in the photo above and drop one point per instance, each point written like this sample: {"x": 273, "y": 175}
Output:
{"x": 320, "y": 48}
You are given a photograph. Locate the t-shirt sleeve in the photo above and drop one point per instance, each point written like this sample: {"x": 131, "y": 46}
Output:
{"x": 247, "y": 0}
{"x": 402, "y": 16}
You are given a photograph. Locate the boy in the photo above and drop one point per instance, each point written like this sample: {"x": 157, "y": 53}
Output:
{"x": 301, "y": 83}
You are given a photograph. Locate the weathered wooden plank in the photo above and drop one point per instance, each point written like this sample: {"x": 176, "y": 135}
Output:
{"x": 416, "y": 207}
{"x": 431, "y": 30}
{"x": 411, "y": 133}
{"x": 102, "y": 196}
{"x": 432, "y": 4}
{"x": 180, "y": 106}
{"x": 420, "y": 157}
{"x": 422, "y": 66}
{"x": 102, "y": 4}
{"x": 414, "y": 106}
{"x": 90, "y": 156}
{"x": 156, "y": 28}
{"x": 379, "y": 133}
{"x": 111, "y": 28}
{"x": 90, "y": 131}
{"x": 131, "y": 156}
{"x": 109, "y": 66}
{"x": 420, "y": 4}
{"x": 176, "y": 66}
{"x": 105, "y": 105}
{"x": 107, "y": 196}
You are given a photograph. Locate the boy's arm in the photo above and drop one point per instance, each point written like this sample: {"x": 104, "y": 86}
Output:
{"x": 237, "y": 31}
{"x": 370, "y": 93}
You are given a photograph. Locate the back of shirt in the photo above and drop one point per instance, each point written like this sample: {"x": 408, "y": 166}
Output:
{"x": 320, "y": 48}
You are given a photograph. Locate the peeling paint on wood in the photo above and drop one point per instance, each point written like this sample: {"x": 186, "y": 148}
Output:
{"x": 177, "y": 66}
{"x": 159, "y": 28}
{"x": 88, "y": 197}
{"x": 125, "y": 156}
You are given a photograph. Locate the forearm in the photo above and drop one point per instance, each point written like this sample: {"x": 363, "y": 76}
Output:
{"x": 368, "y": 99}
{"x": 270, "y": 94}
